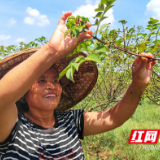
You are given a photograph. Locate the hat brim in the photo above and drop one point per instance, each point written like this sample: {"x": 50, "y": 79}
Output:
{"x": 72, "y": 93}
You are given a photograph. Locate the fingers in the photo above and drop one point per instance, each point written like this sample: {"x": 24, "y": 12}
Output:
{"x": 64, "y": 17}
{"x": 86, "y": 35}
{"x": 147, "y": 55}
{"x": 137, "y": 61}
{"x": 143, "y": 62}
{"x": 83, "y": 36}
{"x": 150, "y": 62}
{"x": 153, "y": 63}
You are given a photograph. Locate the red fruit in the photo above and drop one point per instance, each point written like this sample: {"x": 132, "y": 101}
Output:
{"x": 76, "y": 22}
{"x": 89, "y": 32}
{"x": 88, "y": 24}
{"x": 80, "y": 20}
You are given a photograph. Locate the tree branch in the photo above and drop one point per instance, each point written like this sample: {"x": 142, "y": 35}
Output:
{"x": 123, "y": 49}
{"x": 155, "y": 73}
{"x": 156, "y": 79}
{"x": 153, "y": 100}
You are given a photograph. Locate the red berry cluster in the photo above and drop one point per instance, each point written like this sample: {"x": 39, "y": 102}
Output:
{"x": 88, "y": 24}
{"x": 77, "y": 22}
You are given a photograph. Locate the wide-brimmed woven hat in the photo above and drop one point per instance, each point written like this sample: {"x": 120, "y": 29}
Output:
{"x": 72, "y": 93}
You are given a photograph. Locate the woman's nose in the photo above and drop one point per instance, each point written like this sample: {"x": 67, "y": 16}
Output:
{"x": 51, "y": 85}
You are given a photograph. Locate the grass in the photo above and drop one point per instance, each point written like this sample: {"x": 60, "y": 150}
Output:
{"x": 114, "y": 144}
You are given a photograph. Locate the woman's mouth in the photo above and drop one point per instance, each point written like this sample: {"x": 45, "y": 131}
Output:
{"x": 51, "y": 96}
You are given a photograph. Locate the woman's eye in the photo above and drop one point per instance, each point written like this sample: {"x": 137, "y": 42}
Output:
{"x": 41, "y": 80}
{"x": 56, "y": 81}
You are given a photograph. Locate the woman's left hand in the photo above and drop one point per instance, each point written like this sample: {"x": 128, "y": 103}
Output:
{"x": 142, "y": 68}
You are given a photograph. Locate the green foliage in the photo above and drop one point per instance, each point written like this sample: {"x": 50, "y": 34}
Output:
{"x": 103, "y": 7}
{"x": 41, "y": 41}
{"x": 113, "y": 145}
{"x": 76, "y": 25}
{"x": 5, "y": 51}
{"x": 135, "y": 39}
{"x": 76, "y": 62}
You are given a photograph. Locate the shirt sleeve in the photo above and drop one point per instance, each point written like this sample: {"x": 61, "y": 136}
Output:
{"x": 4, "y": 145}
{"x": 79, "y": 121}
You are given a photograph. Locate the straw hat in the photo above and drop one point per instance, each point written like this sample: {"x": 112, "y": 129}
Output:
{"x": 72, "y": 93}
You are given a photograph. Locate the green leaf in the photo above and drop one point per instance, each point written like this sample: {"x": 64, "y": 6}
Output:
{"x": 103, "y": 26}
{"x": 83, "y": 46}
{"x": 131, "y": 30}
{"x": 77, "y": 34}
{"x": 75, "y": 65}
{"x": 82, "y": 60}
{"x": 72, "y": 35}
{"x": 93, "y": 57}
{"x": 103, "y": 18}
{"x": 77, "y": 59}
{"x": 101, "y": 49}
{"x": 119, "y": 41}
{"x": 150, "y": 22}
{"x": 97, "y": 10}
{"x": 88, "y": 42}
{"x": 72, "y": 53}
{"x": 78, "y": 48}
{"x": 107, "y": 8}
{"x": 68, "y": 31}
{"x": 109, "y": 2}
{"x": 125, "y": 59}
{"x": 72, "y": 24}
{"x": 130, "y": 36}
{"x": 103, "y": 1}
{"x": 64, "y": 72}
{"x": 70, "y": 73}
{"x": 141, "y": 34}
{"x": 80, "y": 28}
{"x": 155, "y": 28}
{"x": 96, "y": 23}
{"x": 101, "y": 6}
{"x": 123, "y": 21}
{"x": 98, "y": 14}
{"x": 74, "y": 32}
{"x": 142, "y": 46}
{"x": 153, "y": 21}
{"x": 84, "y": 19}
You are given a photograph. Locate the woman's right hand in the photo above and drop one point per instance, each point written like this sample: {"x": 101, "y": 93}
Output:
{"x": 62, "y": 46}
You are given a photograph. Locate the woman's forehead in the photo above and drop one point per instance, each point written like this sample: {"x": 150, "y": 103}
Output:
{"x": 50, "y": 72}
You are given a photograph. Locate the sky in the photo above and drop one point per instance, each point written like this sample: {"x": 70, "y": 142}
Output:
{"x": 27, "y": 20}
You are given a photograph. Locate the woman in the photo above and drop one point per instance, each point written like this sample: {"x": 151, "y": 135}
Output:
{"x": 42, "y": 133}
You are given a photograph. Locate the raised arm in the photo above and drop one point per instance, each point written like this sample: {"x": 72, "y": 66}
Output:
{"x": 18, "y": 80}
{"x": 98, "y": 122}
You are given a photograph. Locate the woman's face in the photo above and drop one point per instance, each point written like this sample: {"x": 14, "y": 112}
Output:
{"x": 45, "y": 93}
